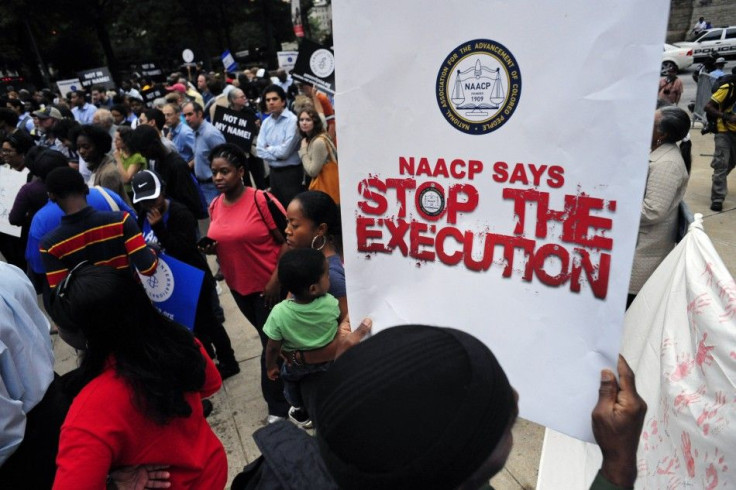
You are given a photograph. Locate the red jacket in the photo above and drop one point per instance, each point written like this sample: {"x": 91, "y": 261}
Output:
{"x": 104, "y": 430}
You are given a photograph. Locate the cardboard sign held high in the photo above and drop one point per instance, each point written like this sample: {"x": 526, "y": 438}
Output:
{"x": 315, "y": 65}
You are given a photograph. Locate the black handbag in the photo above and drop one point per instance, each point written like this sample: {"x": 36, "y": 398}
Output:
{"x": 277, "y": 215}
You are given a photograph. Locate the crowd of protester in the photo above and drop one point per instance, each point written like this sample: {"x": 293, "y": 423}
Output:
{"x": 114, "y": 182}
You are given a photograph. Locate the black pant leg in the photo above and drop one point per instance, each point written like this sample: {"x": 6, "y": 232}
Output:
{"x": 254, "y": 309}
{"x": 286, "y": 183}
{"x": 208, "y": 328}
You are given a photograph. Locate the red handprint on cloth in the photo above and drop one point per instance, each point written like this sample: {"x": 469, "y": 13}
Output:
{"x": 685, "y": 399}
{"x": 727, "y": 293}
{"x": 709, "y": 273}
{"x": 688, "y": 455}
{"x": 674, "y": 483}
{"x": 704, "y": 356}
{"x": 668, "y": 465}
{"x": 684, "y": 365}
{"x": 714, "y": 466}
{"x": 711, "y": 477}
{"x": 697, "y": 305}
{"x": 651, "y": 437}
{"x": 710, "y": 411}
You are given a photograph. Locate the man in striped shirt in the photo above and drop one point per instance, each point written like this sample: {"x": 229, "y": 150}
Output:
{"x": 101, "y": 238}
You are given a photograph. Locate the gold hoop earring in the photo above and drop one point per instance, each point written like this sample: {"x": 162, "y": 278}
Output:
{"x": 324, "y": 242}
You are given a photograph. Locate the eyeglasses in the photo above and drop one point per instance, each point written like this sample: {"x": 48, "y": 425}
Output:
{"x": 61, "y": 289}
{"x": 7, "y": 151}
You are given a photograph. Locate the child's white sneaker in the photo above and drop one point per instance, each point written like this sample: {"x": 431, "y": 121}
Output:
{"x": 300, "y": 417}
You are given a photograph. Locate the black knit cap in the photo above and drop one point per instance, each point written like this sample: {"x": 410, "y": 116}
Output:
{"x": 412, "y": 407}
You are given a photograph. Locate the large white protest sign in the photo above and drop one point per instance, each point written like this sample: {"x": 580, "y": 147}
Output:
{"x": 10, "y": 183}
{"x": 493, "y": 158}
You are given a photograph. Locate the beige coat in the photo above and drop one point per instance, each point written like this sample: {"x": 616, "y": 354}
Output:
{"x": 666, "y": 184}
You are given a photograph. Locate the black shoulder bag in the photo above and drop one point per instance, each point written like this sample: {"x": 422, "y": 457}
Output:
{"x": 276, "y": 214}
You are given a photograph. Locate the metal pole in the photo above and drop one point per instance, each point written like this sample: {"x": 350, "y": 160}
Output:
{"x": 41, "y": 64}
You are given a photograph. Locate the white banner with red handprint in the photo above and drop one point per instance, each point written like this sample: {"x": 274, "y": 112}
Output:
{"x": 680, "y": 340}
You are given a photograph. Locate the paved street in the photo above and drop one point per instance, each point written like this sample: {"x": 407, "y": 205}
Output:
{"x": 239, "y": 408}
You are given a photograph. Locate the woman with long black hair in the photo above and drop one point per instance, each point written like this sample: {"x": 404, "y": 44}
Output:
{"x": 143, "y": 378}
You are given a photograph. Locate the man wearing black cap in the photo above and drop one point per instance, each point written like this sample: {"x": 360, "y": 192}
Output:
{"x": 171, "y": 226}
{"x": 172, "y": 168}
{"x": 418, "y": 407}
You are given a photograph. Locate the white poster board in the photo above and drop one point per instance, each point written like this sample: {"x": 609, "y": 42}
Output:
{"x": 10, "y": 183}
{"x": 287, "y": 59}
{"x": 66, "y": 86}
{"x": 492, "y": 161}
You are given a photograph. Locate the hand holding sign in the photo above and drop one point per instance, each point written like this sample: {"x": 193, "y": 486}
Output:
{"x": 617, "y": 422}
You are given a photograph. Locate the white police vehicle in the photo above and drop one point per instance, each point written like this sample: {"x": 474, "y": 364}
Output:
{"x": 677, "y": 58}
{"x": 722, "y": 40}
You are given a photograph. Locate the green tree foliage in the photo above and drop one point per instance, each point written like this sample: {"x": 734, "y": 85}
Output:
{"x": 73, "y": 35}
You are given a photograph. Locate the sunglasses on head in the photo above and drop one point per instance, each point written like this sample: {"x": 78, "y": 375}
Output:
{"x": 61, "y": 289}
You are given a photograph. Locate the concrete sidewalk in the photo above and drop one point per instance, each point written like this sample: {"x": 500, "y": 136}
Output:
{"x": 240, "y": 409}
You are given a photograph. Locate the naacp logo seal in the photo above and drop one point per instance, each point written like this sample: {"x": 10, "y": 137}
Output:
{"x": 478, "y": 86}
{"x": 431, "y": 201}
{"x": 159, "y": 286}
{"x": 322, "y": 63}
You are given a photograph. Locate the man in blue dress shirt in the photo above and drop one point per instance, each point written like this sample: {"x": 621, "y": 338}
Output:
{"x": 178, "y": 132}
{"x": 278, "y": 144}
{"x": 83, "y": 111}
{"x": 206, "y": 137}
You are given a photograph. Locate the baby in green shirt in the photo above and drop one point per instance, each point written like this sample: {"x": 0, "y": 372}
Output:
{"x": 305, "y": 321}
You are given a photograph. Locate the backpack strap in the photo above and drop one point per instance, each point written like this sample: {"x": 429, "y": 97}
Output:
{"x": 277, "y": 215}
{"x": 331, "y": 150}
{"x": 110, "y": 201}
{"x": 255, "y": 200}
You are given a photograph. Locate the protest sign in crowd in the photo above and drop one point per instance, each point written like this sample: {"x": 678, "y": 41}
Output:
{"x": 113, "y": 194}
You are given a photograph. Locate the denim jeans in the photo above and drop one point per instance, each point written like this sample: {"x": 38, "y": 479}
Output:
{"x": 209, "y": 190}
{"x": 292, "y": 374}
